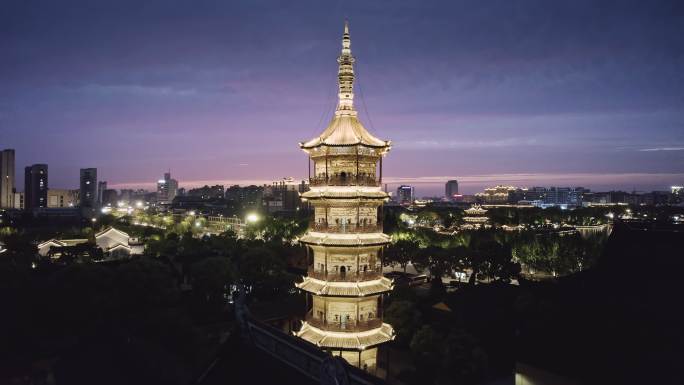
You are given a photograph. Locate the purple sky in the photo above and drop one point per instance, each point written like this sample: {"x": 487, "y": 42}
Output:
{"x": 565, "y": 92}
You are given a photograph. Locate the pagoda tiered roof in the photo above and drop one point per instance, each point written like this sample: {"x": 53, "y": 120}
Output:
{"x": 345, "y": 130}
{"x": 345, "y": 192}
{"x": 337, "y": 239}
{"x": 345, "y": 340}
{"x": 345, "y": 289}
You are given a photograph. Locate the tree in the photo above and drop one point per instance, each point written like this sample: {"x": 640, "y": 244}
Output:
{"x": 401, "y": 252}
{"x": 211, "y": 279}
{"x": 463, "y": 360}
{"x": 264, "y": 272}
{"x": 404, "y": 318}
{"x": 426, "y": 348}
{"x": 21, "y": 252}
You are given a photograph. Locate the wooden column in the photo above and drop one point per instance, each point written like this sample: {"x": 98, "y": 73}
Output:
{"x": 380, "y": 182}
{"x": 357, "y": 268}
{"x": 308, "y": 260}
{"x": 358, "y": 207}
{"x": 357, "y": 165}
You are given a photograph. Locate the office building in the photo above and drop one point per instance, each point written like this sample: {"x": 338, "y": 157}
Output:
{"x": 7, "y": 187}
{"x": 35, "y": 186}
{"x": 451, "y": 190}
{"x": 88, "y": 188}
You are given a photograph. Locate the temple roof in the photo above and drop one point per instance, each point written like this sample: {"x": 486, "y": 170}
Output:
{"x": 345, "y": 129}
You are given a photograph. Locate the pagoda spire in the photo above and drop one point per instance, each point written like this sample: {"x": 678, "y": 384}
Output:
{"x": 345, "y": 76}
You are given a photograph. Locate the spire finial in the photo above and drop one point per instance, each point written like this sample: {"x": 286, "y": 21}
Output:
{"x": 346, "y": 75}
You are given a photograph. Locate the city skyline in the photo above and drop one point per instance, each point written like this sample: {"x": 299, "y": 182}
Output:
{"x": 537, "y": 99}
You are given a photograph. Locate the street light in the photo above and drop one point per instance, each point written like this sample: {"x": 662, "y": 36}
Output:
{"x": 252, "y": 218}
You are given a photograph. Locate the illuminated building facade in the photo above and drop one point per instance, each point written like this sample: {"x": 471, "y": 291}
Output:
{"x": 345, "y": 240}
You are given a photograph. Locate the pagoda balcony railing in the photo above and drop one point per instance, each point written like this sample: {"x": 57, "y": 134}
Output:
{"x": 344, "y": 277}
{"x": 346, "y": 229}
{"x": 346, "y": 326}
{"x": 337, "y": 180}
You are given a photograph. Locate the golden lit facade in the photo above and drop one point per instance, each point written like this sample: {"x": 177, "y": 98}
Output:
{"x": 345, "y": 240}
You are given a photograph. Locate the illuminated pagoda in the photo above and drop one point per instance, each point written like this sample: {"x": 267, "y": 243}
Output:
{"x": 475, "y": 218}
{"x": 345, "y": 240}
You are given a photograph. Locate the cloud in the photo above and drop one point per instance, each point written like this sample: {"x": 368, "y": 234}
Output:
{"x": 662, "y": 149}
{"x": 462, "y": 144}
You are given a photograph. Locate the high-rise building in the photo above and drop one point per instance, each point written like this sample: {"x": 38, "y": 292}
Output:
{"x": 88, "y": 188}
{"x": 451, "y": 190}
{"x": 166, "y": 189}
{"x": 35, "y": 186}
{"x": 345, "y": 239}
{"x": 101, "y": 188}
{"x": 405, "y": 195}
{"x": 7, "y": 187}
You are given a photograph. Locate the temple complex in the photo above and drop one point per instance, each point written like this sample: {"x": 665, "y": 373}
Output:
{"x": 475, "y": 218}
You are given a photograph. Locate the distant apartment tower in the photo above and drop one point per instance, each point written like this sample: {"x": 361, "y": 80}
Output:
{"x": 7, "y": 188}
{"x": 35, "y": 186}
{"x": 88, "y": 188}
{"x": 451, "y": 190}
{"x": 405, "y": 195}
{"x": 166, "y": 189}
